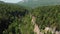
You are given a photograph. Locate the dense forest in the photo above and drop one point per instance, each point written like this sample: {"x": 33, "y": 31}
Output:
{"x": 16, "y": 19}
{"x": 11, "y": 18}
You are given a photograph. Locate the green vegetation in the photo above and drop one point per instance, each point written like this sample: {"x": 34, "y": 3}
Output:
{"x": 47, "y": 16}
{"x": 16, "y": 19}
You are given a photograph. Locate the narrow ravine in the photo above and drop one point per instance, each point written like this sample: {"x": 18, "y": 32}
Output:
{"x": 36, "y": 28}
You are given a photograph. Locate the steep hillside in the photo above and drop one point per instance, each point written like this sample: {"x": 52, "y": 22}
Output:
{"x": 15, "y": 19}
{"x": 47, "y": 16}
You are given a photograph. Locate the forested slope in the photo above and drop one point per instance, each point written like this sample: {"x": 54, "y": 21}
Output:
{"x": 16, "y": 19}
{"x": 47, "y": 16}
{"x": 10, "y": 17}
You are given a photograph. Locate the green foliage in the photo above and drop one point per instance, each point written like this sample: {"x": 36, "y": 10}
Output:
{"x": 15, "y": 19}
{"x": 47, "y": 16}
{"x": 20, "y": 26}
{"x": 27, "y": 26}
